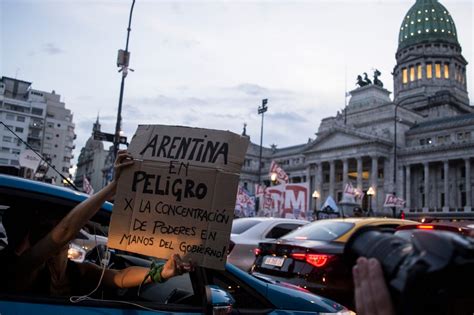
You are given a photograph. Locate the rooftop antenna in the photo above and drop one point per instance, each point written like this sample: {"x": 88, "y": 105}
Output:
{"x": 41, "y": 157}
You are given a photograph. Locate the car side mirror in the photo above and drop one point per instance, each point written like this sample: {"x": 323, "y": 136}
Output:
{"x": 219, "y": 302}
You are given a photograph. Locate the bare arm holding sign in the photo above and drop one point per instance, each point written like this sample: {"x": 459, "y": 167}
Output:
{"x": 44, "y": 247}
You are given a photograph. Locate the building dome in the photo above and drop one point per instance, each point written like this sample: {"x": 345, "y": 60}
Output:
{"x": 427, "y": 21}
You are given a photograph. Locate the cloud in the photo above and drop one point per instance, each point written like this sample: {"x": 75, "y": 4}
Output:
{"x": 52, "y": 49}
{"x": 289, "y": 117}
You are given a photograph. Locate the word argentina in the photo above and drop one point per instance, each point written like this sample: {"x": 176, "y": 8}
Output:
{"x": 187, "y": 148}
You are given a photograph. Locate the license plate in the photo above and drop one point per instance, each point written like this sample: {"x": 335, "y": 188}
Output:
{"x": 274, "y": 261}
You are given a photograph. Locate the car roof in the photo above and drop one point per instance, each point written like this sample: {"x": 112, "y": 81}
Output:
{"x": 262, "y": 219}
{"x": 8, "y": 181}
{"x": 371, "y": 220}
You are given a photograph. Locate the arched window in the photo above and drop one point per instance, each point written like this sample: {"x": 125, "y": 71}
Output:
{"x": 446, "y": 70}
{"x": 429, "y": 70}
{"x": 419, "y": 72}
{"x": 438, "y": 70}
{"x": 404, "y": 76}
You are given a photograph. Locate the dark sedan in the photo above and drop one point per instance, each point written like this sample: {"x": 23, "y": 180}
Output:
{"x": 311, "y": 257}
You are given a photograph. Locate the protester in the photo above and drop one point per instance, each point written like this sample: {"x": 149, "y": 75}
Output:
{"x": 35, "y": 260}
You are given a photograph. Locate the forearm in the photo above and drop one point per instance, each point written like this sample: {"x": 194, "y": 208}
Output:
{"x": 129, "y": 277}
{"x": 68, "y": 228}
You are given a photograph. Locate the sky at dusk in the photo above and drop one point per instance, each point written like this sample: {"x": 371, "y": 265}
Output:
{"x": 209, "y": 63}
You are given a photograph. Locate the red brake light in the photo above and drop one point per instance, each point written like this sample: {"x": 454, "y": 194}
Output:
{"x": 298, "y": 256}
{"x": 317, "y": 260}
{"x": 425, "y": 227}
{"x": 231, "y": 247}
{"x": 257, "y": 251}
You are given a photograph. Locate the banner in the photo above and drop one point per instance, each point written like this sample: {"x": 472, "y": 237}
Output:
{"x": 349, "y": 190}
{"x": 281, "y": 176}
{"x": 245, "y": 204}
{"x": 29, "y": 159}
{"x": 393, "y": 201}
{"x": 86, "y": 186}
{"x": 179, "y": 195}
{"x": 286, "y": 201}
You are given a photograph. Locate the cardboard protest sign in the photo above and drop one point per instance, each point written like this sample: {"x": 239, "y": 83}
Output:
{"x": 179, "y": 197}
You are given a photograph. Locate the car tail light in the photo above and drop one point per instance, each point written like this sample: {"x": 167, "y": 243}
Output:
{"x": 257, "y": 251}
{"x": 231, "y": 247}
{"x": 425, "y": 226}
{"x": 317, "y": 260}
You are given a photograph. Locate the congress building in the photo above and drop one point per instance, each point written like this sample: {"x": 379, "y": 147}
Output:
{"x": 418, "y": 146}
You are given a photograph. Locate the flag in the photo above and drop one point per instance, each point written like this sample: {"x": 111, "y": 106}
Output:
{"x": 349, "y": 190}
{"x": 281, "y": 176}
{"x": 393, "y": 201}
{"x": 86, "y": 186}
{"x": 245, "y": 204}
{"x": 260, "y": 189}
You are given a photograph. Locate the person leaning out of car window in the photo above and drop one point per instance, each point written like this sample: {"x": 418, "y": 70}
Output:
{"x": 35, "y": 260}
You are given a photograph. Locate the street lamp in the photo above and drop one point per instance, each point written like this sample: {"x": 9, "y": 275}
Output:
{"x": 122, "y": 62}
{"x": 315, "y": 197}
{"x": 261, "y": 110}
{"x": 273, "y": 178}
{"x": 395, "y": 156}
{"x": 370, "y": 193}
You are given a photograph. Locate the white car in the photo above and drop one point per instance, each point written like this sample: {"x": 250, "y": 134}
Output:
{"x": 87, "y": 241}
{"x": 248, "y": 232}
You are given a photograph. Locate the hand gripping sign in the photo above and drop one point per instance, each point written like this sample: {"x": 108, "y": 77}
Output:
{"x": 179, "y": 196}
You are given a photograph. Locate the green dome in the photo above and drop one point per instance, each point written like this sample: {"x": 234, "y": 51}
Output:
{"x": 427, "y": 21}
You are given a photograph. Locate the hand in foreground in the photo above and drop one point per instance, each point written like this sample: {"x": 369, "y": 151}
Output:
{"x": 175, "y": 266}
{"x": 123, "y": 160}
{"x": 371, "y": 292}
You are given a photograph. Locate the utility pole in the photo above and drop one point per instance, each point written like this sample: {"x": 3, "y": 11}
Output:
{"x": 261, "y": 110}
{"x": 123, "y": 60}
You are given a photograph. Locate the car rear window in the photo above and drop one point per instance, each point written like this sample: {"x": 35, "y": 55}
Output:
{"x": 240, "y": 226}
{"x": 321, "y": 231}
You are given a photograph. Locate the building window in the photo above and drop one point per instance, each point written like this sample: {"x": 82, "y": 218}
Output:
{"x": 412, "y": 73}
{"x": 429, "y": 141}
{"x": 447, "y": 138}
{"x": 442, "y": 200}
{"x": 446, "y": 71}
{"x": 3, "y": 161}
{"x": 7, "y": 139}
{"x": 20, "y": 118}
{"x": 15, "y": 151}
{"x": 37, "y": 111}
{"x": 422, "y": 141}
{"x": 438, "y": 70}
{"x": 440, "y": 140}
{"x": 467, "y": 135}
{"x": 5, "y": 150}
{"x": 429, "y": 70}
{"x": 14, "y": 162}
{"x": 10, "y": 117}
{"x": 460, "y": 136}
{"x": 19, "y": 129}
{"x": 420, "y": 72}
{"x": 404, "y": 75}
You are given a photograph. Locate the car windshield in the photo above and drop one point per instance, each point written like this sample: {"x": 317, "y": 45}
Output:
{"x": 240, "y": 226}
{"x": 321, "y": 231}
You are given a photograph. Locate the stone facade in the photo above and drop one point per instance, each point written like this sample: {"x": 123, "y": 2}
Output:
{"x": 419, "y": 146}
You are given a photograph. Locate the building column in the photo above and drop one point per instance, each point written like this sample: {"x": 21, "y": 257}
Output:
{"x": 310, "y": 187}
{"x": 319, "y": 184}
{"x": 426, "y": 188}
{"x": 373, "y": 181}
{"x": 345, "y": 173}
{"x": 408, "y": 186}
{"x": 359, "y": 173}
{"x": 332, "y": 178}
{"x": 446, "y": 185}
{"x": 468, "y": 205}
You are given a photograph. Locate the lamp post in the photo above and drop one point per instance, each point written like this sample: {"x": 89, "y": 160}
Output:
{"x": 122, "y": 62}
{"x": 273, "y": 178}
{"x": 261, "y": 110}
{"x": 395, "y": 156}
{"x": 370, "y": 193}
{"x": 315, "y": 197}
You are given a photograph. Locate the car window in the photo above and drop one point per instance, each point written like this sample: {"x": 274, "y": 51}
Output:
{"x": 81, "y": 236}
{"x": 240, "y": 226}
{"x": 281, "y": 229}
{"x": 323, "y": 230}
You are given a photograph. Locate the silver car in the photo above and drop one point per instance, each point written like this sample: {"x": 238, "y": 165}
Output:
{"x": 248, "y": 232}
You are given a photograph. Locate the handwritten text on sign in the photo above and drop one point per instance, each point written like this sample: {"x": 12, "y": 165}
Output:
{"x": 181, "y": 197}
